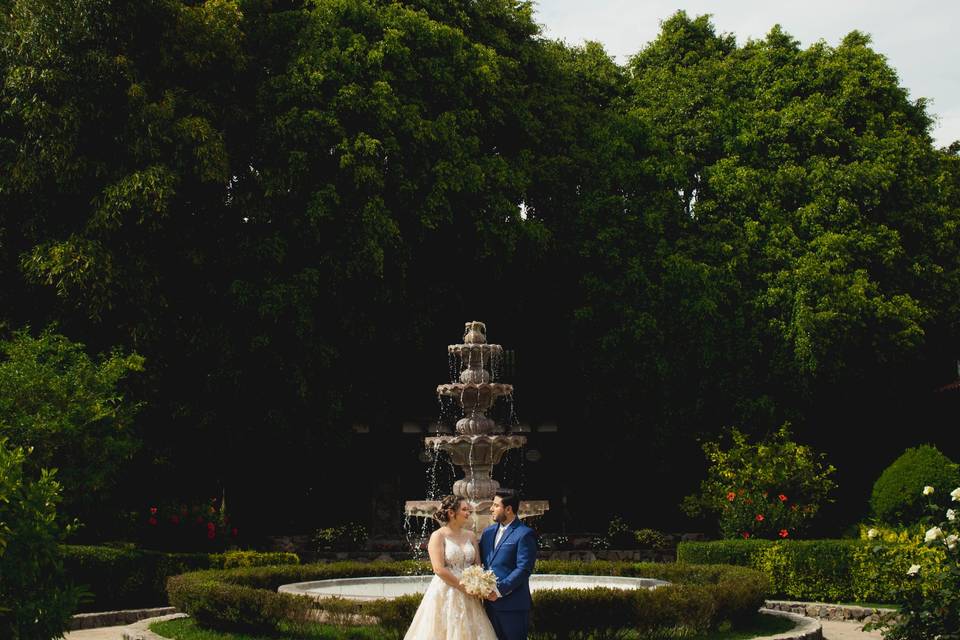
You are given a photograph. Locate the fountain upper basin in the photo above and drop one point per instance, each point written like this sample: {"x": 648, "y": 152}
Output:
{"x": 394, "y": 586}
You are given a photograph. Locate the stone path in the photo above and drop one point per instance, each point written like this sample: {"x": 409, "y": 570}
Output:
{"x": 103, "y": 633}
{"x": 836, "y": 630}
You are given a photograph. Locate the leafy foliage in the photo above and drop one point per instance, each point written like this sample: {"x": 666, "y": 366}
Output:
{"x": 70, "y": 410}
{"x": 897, "y": 497}
{"x": 36, "y": 601}
{"x": 770, "y": 489}
{"x": 264, "y": 198}
{"x": 702, "y": 597}
{"x": 930, "y": 600}
{"x": 819, "y": 570}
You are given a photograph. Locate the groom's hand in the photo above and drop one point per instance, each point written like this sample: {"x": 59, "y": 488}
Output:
{"x": 492, "y": 596}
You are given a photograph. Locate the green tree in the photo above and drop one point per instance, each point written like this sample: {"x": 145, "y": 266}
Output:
{"x": 70, "y": 411}
{"x": 36, "y": 601}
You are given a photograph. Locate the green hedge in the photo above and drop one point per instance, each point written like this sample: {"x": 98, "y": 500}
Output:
{"x": 822, "y": 570}
{"x": 700, "y": 598}
{"x": 124, "y": 578}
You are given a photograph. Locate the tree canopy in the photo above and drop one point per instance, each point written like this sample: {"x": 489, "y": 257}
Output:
{"x": 286, "y": 207}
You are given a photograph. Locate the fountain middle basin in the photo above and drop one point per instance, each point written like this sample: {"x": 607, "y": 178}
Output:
{"x": 389, "y": 587}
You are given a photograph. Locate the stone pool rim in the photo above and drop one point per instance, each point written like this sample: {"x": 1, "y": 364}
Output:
{"x": 377, "y": 587}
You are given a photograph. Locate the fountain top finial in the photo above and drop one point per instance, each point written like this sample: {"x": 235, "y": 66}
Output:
{"x": 475, "y": 332}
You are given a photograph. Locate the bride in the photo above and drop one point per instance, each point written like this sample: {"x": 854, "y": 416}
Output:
{"x": 447, "y": 612}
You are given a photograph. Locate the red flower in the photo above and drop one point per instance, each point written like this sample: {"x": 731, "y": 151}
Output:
{"x": 211, "y": 526}
{"x": 759, "y": 517}
{"x": 152, "y": 521}
{"x": 782, "y": 497}
{"x": 211, "y": 534}
{"x": 153, "y": 511}
{"x": 175, "y": 519}
{"x": 783, "y": 533}
{"x": 233, "y": 532}
{"x": 731, "y": 496}
{"x": 745, "y": 534}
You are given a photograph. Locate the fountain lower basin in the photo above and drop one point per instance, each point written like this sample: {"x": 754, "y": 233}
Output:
{"x": 390, "y": 587}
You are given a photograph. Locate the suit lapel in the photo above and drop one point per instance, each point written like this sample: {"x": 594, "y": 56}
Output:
{"x": 506, "y": 536}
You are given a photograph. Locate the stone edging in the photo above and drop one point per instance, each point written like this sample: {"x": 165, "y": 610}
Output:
{"x": 832, "y": 611}
{"x": 115, "y": 618}
{"x": 806, "y": 629}
{"x": 141, "y": 630}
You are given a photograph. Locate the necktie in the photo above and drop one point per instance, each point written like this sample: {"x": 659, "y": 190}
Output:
{"x": 496, "y": 542}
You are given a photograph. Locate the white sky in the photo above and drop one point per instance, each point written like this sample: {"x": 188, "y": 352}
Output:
{"x": 921, "y": 39}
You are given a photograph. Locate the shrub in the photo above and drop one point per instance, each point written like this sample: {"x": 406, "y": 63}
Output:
{"x": 650, "y": 539}
{"x": 897, "y": 494}
{"x": 234, "y": 559}
{"x": 203, "y": 526}
{"x": 830, "y": 570}
{"x": 771, "y": 489}
{"x": 702, "y": 596}
{"x": 394, "y": 615}
{"x": 930, "y": 596}
{"x": 347, "y": 537}
{"x": 126, "y": 577}
{"x": 36, "y": 600}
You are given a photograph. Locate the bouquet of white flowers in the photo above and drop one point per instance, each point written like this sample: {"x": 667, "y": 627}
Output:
{"x": 478, "y": 582}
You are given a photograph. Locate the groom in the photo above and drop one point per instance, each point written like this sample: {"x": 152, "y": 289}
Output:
{"x": 509, "y": 549}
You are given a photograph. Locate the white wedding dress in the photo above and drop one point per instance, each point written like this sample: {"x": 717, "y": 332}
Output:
{"x": 447, "y": 613}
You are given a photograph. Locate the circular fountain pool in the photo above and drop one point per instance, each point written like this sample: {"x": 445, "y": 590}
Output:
{"x": 395, "y": 586}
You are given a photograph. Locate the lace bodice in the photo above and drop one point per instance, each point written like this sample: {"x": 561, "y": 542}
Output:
{"x": 458, "y": 556}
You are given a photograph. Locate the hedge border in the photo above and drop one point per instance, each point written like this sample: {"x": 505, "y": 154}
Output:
{"x": 819, "y": 570}
{"x": 120, "y": 578}
{"x": 699, "y": 598}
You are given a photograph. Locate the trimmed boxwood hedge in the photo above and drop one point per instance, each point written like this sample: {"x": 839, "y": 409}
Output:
{"x": 824, "y": 570}
{"x": 125, "y": 577}
{"x": 699, "y": 598}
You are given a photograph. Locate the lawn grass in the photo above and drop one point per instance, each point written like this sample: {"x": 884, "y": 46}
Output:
{"x": 186, "y": 629}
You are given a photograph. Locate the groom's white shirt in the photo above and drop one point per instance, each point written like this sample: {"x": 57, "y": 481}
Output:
{"x": 496, "y": 541}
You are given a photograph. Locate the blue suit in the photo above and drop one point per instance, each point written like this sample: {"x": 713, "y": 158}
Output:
{"x": 512, "y": 562}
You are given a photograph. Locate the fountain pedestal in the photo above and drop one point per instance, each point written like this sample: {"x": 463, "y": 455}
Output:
{"x": 479, "y": 443}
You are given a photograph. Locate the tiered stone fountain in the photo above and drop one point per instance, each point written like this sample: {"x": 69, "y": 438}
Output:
{"x": 478, "y": 445}
{"x": 479, "y": 442}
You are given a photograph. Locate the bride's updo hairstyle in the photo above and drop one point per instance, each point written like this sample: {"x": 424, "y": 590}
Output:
{"x": 447, "y": 504}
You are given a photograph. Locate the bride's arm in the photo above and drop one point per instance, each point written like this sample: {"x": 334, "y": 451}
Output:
{"x": 438, "y": 562}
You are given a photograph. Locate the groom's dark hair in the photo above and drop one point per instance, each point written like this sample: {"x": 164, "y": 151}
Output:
{"x": 509, "y": 498}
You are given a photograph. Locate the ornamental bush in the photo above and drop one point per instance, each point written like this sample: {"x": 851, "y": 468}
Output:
{"x": 36, "y": 600}
{"x": 126, "y": 577}
{"x": 930, "y": 594}
{"x": 897, "y": 498}
{"x": 770, "y": 489}
{"x": 825, "y": 570}
{"x": 701, "y": 597}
